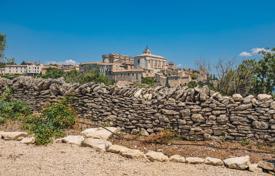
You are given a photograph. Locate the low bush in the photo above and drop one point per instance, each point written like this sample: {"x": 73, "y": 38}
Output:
{"x": 51, "y": 122}
{"x": 12, "y": 109}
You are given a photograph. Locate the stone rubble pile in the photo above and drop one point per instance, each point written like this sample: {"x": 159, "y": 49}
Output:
{"x": 103, "y": 145}
{"x": 194, "y": 114}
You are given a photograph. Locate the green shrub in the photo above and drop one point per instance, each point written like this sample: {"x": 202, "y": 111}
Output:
{"x": 59, "y": 115}
{"x": 148, "y": 81}
{"x": 192, "y": 84}
{"x": 12, "y": 109}
{"x": 43, "y": 134}
{"x": 78, "y": 77}
{"x": 54, "y": 73}
{"x": 2, "y": 120}
{"x": 51, "y": 122}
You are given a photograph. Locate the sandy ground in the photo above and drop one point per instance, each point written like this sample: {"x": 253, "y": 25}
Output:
{"x": 66, "y": 160}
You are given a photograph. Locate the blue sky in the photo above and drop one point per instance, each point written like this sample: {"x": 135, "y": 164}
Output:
{"x": 183, "y": 31}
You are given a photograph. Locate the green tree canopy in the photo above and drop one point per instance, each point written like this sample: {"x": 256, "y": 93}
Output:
{"x": 2, "y": 44}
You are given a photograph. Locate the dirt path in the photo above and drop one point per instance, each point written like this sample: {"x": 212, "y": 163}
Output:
{"x": 65, "y": 160}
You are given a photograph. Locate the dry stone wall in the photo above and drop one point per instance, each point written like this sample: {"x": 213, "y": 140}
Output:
{"x": 195, "y": 114}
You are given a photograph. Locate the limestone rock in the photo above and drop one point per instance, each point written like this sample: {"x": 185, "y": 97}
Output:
{"x": 156, "y": 156}
{"x": 98, "y": 144}
{"x": 213, "y": 161}
{"x": 99, "y": 133}
{"x": 254, "y": 168}
{"x": 194, "y": 160}
{"x": 241, "y": 163}
{"x": 197, "y": 118}
{"x": 237, "y": 97}
{"x": 117, "y": 149}
{"x": 264, "y": 97}
{"x": 143, "y": 132}
{"x": 138, "y": 93}
{"x": 266, "y": 166}
{"x": 28, "y": 140}
{"x": 126, "y": 152}
{"x": 169, "y": 112}
{"x": 272, "y": 105}
{"x": 13, "y": 135}
{"x": 177, "y": 158}
{"x": 260, "y": 125}
{"x": 133, "y": 153}
{"x": 73, "y": 139}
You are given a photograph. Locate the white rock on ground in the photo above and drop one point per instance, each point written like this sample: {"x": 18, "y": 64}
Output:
{"x": 73, "y": 139}
{"x": 117, "y": 149}
{"x": 13, "y": 135}
{"x": 241, "y": 163}
{"x": 194, "y": 160}
{"x": 156, "y": 156}
{"x": 126, "y": 152}
{"x": 177, "y": 158}
{"x": 98, "y": 144}
{"x": 213, "y": 161}
{"x": 28, "y": 140}
{"x": 133, "y": 153}
{"x": 266, "y": 165}
{"x": 254, "y": 168}
{"x": 99, "y": 133}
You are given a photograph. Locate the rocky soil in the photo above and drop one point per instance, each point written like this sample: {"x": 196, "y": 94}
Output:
{"x": 65, "y": 160}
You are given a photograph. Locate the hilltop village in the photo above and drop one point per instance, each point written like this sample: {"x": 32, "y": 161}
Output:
{"x": 121, "y": 69}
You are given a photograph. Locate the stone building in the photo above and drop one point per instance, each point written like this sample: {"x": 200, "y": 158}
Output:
{"x": 118, "y": 58}
{"x": 173, "y": 78}
{"x": 116, "y": 67}
{"x": 27, "y": 69}
{"x": 151, "y": 63}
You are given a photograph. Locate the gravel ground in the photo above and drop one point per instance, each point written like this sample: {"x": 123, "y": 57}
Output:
{"x": 65, "y": 160}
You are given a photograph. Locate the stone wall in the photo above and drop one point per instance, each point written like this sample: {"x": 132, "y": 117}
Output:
{"x": 195, "y": 114}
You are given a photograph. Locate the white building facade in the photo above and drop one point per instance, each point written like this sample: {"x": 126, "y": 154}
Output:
{"x": 21, "y": 69}
{"x": 150, "y": 63}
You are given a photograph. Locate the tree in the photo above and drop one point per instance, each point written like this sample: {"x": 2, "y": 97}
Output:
{"x": 2, "y": 45}
{"x": 245, "y": 78}
{"x": 250, "y": 77}
{"x": 265, "y": 72}
{"x": 53, "y": 73}
{"x": 225, "y": 72}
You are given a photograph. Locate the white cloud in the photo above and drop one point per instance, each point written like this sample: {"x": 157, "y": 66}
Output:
{"x": 245, "y": 54}
{"x": 254, "y": 52}
{"x": 70, "y": 62}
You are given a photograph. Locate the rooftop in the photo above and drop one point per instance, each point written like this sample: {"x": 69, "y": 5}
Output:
{"x": 147, "y": 52}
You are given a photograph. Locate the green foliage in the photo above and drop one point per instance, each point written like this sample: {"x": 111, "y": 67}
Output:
{"x": 194, "y": 76}
{"x": 192, "y": 84}
{"x": 78, "y": 77}
{"x": 250, "y": 77}
{"x": 12, "y": 109}
{"x": 2, "y": 44}
{"x": 245, "y": 142}
{"x": 59, "y": 115}
{"x": 90, "y": 76}
{"x": 148, "y": 81}
{"x": 54, "y": 73}
{"x": 51, "y": 122}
